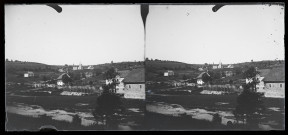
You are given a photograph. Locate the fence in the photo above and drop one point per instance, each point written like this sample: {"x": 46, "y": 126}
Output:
{"x": 84, "y": 89}
{"x": 225, "y": 88}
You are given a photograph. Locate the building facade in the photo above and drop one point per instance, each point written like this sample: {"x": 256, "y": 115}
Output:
{"x": 134, "y": 84}
{"x": 169, "y": 73}
{"x": 29, "y": 74}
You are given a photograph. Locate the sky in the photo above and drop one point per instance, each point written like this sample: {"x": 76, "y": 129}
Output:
{"x": 97, "y": 34}
{"x": 197, "y": 35}
{"x": 86, "y": 34}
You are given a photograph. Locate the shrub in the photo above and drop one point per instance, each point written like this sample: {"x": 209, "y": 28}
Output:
{"x": 217, "y": 119}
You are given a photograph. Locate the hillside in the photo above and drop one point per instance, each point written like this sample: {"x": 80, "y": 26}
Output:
{"x": 120, "y": 65}
{"x": 155, "y": 69}
{"x": 27, "y": 66}
{"x": 261, "y": 64}
{"x": 170, "y": 65}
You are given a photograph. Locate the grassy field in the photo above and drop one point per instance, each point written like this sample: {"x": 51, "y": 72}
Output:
{"x": 54, "y": 102}
{"x": 24, "y": 123}
{"x": 160, "y": 122}
{"x": 69, "y": 104}
{"x": 209, "y": 102}
{"x": 195, "y": 100}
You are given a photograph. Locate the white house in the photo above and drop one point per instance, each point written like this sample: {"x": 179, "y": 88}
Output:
{"x": 230, "y": 66}
{"x": 90, "y": 67}
{"x": 61, "y": 70}
{"x": 219, "y": 66}
{"x": 88, "y": 74}
{"x": 200, "y": 69}
{"x": 119, "y": 81}
{"x": 274, "y": 83}
{"x": 75, "y": 68}
{"x": 60, "y": 79}
{"x": 199, "y": 78}
{"x": 134, "y": 84}
{"x": 29, "y": 74}
{"x": 80, "y": 67}
{"x": 169, "y": 73}
{"x": 271, "y": 82}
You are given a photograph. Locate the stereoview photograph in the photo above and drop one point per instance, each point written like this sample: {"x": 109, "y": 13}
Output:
{"x": 215, "y": 67}
{"x": 144, "y": 67}
{"x": 74, "y": 67}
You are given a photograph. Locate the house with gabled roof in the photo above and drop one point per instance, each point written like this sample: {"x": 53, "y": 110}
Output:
{"x": 60, "y": 79}
{"x": 119, "y": 81}
{"x": 169, "y": 73}
{"x": 271, "y": 82}
{"x": 29, "y": 74}
{"x": 275, "y": 83}
{"x": 134, "y": 84}
{"x": 199, "y": 78}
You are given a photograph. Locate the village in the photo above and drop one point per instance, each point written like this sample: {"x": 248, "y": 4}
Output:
{"x": 206, "y": 67}
{"x": 76, "y": 87}
{"x": 180, "y": 91}
{"x": 222, "y": 77}
{"x": 82, "y": 80}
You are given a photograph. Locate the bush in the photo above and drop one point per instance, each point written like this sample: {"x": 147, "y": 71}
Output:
{"x": 76, "y": 120}
{"x": 217, "y": 119}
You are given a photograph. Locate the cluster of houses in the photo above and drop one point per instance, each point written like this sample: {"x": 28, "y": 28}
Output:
{"x": 215, "y": 66}
{"x": 130, "y": 83}
{"x": 76, "y": 67}
{"x": 271, "y": 82}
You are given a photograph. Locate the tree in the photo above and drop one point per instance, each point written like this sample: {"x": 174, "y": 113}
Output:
{"x": 107, "y": 106}
{"x": 223, "y": 74}
{"x": 97, "y": 71}
{"x": 147, "y": 59}
{"x": 76, "y": 120}
{"x": 66, "y": 79}
{"x": 230, "y": 81}
{"x": 251, "y": 75}
{"x": 83, "y": 75}
{"x": 76, "y": 76}
{"x": 184, "y": 77}
{"x": 90, "y": 83}
{"x": 110, "y": 75}
{"x": 250, "y": 102}
{"x": 206, "y": 78}
{"x": 217, "y": 119}
{"x": 238, "y": 71}
{"x": 217, "y": 75}
{"x": 44, "y": 78}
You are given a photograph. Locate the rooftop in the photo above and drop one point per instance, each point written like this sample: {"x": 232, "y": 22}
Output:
{"x": 201, "y": 75}
{"x": 135, "y": 75}
{"x": 123, "y": 73}
{"x": 275, "y": 74}
{"x": 60, "y": 77}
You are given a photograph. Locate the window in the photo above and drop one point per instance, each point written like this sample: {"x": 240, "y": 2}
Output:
{"x": 270, "y": 85}
{"x": 280, "y": 85}
{"x": 129, "y": 86}
{"x": 140, "y": 86}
